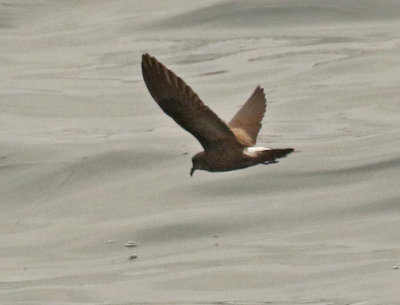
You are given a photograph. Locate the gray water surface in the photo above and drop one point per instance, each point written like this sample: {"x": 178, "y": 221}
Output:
{"x": 89, "y": 162}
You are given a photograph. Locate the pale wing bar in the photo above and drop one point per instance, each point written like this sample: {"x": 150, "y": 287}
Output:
{"x": 247, "y": 121}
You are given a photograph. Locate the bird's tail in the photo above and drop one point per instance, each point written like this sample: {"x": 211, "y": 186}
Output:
{"x": 269, "y": 156}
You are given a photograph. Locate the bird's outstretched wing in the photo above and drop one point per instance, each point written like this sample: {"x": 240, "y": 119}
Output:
{"x": 183, "y": 105}
{"x": 247, "y": 121}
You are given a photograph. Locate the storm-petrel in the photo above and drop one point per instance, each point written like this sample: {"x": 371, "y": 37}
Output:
{"x": 226, "y": 146}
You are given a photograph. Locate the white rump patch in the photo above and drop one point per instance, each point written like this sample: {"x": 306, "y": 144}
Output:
{"x": 253, "y": 151}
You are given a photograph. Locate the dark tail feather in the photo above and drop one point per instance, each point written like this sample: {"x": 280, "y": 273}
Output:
{"x": 269, "y": 156}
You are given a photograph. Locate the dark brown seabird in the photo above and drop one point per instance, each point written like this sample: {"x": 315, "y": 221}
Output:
{"x": 226, "y": 146}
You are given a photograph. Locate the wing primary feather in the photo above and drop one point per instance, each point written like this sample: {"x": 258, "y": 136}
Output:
{"x": 246, "y": 123}
{"x": 183, "y": 105}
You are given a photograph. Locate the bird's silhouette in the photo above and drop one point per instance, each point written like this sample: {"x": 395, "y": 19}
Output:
{"x": 226, "y": 146}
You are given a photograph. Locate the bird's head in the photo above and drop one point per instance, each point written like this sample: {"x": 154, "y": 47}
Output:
{"x": 198, "y": 162}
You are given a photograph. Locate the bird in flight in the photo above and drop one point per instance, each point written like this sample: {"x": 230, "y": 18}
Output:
{"x": 227, "y": 147}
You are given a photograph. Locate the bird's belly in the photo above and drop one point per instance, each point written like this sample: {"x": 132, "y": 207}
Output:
{"x": 226, "y": 162}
